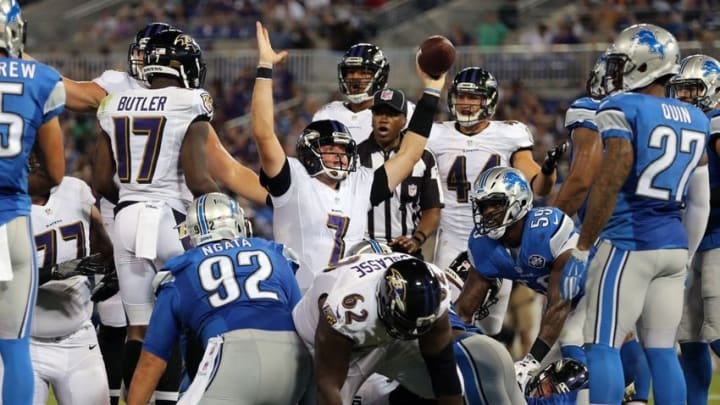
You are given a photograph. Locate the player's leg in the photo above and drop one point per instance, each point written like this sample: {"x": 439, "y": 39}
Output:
{"x": 711, "y": 297}
{"x": 657, "y": 327}
{"x": 111, "y": 337}
{"x": 487, "y": 371}
{"x": 616, "y": 279}
{"x": 635, "y": 369}
{"x": 48, "y": 364}
{"x": 85, "y": 380}
{"x": 17, "y": 301}
{"x": 695, "y": 353}
{"x": 276, "y": 368}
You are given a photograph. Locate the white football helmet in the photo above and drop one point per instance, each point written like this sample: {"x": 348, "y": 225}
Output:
{"x": 12, "y": 28}
{"x": 216, "y": 216}
{"x": 700, "y": 76}
{"x": 500, "y": 197}
{"x": 641, "y": 54}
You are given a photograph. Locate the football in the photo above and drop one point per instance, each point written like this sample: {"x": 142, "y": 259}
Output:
{"x": 436, "y": 55}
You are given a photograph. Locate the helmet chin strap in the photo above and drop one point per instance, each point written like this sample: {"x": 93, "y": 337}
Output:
{"x": 358, "y": 98}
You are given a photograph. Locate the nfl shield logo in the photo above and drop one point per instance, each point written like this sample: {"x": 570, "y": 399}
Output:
{"x": 536, "y": 261}
{"x": 386, "y": 95}
{"x": 412, "y": 190}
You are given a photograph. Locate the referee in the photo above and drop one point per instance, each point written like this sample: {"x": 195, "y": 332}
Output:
{"x": 406, "y": 219}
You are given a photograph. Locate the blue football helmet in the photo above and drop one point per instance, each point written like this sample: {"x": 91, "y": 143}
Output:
{"x": 699, "y": 76}
{"x": 408, "y": 298}
{"x": 500, "y": 197}
{"x": 12, "y": 35}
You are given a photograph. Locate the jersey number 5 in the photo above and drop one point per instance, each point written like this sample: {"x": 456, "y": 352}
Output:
{"x": 152, "y": 127}
{"x": 217, "y": 276}
{"x": 11, "y": 139}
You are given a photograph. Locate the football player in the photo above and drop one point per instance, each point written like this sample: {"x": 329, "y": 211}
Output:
{"x": 64, "y": 346}
{"x": 362, "y": 72}
{"x": 404, "y": 220}
{"x": 698, "y": 83}
{"x": 543, "y": 238}
{"x": 236, "y": 293}
{"x": 464, "y": 148}
{"x": 154, "y": 144}
{"x": 652, "y": 146}
{"x": 321, "y": 198}
{"x": 32, "y": 98}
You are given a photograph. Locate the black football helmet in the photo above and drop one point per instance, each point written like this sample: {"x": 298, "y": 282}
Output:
{"x": 326, "y": 132}
{"x": 173, "y": 53}
{"x": 408, "y": 298}
{"x": 475, "y": 81}
{"x": 369, "y": 57}
{"x": 560, "y": 377}
{"x": 135, "y": 57}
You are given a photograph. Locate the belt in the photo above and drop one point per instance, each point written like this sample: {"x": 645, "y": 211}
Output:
{"x": 58, "y": 339}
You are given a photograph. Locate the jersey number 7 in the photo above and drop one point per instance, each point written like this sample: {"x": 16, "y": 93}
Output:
{"x": 152, "y": 127}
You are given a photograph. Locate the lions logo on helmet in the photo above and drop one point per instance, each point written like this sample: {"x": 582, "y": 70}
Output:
{"x": 477, "y": 83}
{"x": 698, "y": 82}
{"x": 12, "y": 34}
{"x": 500, "y": 197}
{"x": 372, "y": 60}
{"x": 641, "y": 54}
{"x": 216, "y": 216}
{"x": 317, "y": 159}
{"x": 173, "y": 53}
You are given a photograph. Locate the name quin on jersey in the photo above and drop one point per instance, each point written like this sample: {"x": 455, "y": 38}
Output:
{"x": 16, "y": 68}
{"x": 128, "y": 103}
{"x": 676, "y": 113}
{"x": 211, "y": 248}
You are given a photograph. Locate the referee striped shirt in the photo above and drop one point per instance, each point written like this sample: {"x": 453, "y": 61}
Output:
{"x": 421, "y": 190}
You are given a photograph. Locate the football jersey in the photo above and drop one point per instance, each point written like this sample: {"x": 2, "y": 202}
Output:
{"x": 668, "y": 137}
{"x": 460, "y": 160}
{"x": 319, "y": 222}
{"x": 62, "y": 232}
{"x": 246, "y": 283}
{"x": 547, "y": 233}
{"x": 146, "y": 129}
{"x": 358, "y": 123}
{"x": 351, "y": 305}
{"x": 711, "y": 240}
{"x": 115, "y": 81}
{"x": 31, "y": 94}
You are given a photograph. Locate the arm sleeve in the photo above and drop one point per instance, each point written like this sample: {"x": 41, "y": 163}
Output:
{"x": 279, "y": 184}
{"x": 164, "y": 328}
{"x": 380, "y": 190}
{"x": 697, "y": 210}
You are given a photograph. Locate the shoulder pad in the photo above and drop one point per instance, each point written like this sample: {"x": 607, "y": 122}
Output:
{"x": 161, "y": 278}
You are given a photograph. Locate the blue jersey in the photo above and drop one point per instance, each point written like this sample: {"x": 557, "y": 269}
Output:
{"x": 547, "y": 233}
{"x": 668, "y": 138}
{"x": 581, "y": 114}
{"x": 246, "y": 283}
{"x": 30, "y": 95}
{"x": 711, "y": 240}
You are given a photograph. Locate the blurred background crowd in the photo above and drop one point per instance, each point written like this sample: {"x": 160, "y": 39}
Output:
{"x": 539, "y": 50}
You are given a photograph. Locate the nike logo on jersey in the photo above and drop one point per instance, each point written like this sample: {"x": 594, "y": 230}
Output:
{"x": 92, "y": 346}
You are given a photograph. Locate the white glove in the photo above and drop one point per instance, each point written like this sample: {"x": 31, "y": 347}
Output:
{"x": 525, "y": 369}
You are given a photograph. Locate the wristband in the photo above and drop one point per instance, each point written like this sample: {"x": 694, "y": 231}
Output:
{"x": 263, "y": 73}
{"x": 431, "y": 91}
{"x": 265, "y": 65}
{"x": 422, "y": 119}
{"x": 539, "y": 349}
{"x": 421, "y": 238}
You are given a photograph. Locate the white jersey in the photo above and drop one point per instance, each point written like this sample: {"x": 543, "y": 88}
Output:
{"x": 115, "y": 81}
{"x": 62, "y": 232}
{"x": 358, "y": 123}
{"x": 460, "y": 160}
{"x": 351, "y": 306}
{"x": 319, "y": 222}
{"x": 146, "y": 129}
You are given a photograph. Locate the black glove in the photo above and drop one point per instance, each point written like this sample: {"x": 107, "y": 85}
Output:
{"x": 105, "y": 288}
{"x": 461, "y": 265}
{"x": 553, "y": 157}
{"x": 86, "y": 266}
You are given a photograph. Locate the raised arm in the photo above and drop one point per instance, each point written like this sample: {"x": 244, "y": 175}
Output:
{"x": 272, "y": 154}
{"x": 414, "y": 141}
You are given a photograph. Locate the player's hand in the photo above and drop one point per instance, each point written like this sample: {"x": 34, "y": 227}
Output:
{"x": 427, "y": 81}
{"x": 86, "y": 266}
{"x": 553, "y": 158}
{"x": 405, "y": 244}
{"x": 267, "y": 54}
{"x": 525, "y": 369}
{"x": 572, "y": 281}
{"x": 461, "y": 265}
{"x": 106, "y": 288}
